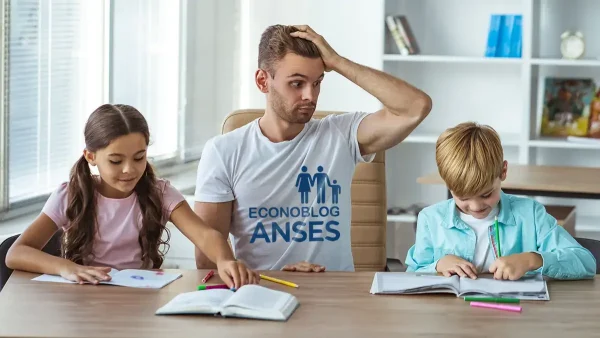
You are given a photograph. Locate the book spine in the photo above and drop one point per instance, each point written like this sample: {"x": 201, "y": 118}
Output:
{"x": 391, "y": 24}
{"x": 410, "y": 35}
{"x": 594, "y": 125}
{"x": 516, "y": 39}
{"x": 403, "y": 34}
{"x": 493, "y": 35}
{"x": 505, "y": 35}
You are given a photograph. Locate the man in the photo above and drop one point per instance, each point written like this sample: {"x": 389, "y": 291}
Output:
{"x": 266, "y": 183}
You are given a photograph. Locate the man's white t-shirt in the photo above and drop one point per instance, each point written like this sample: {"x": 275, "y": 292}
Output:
{"x": 291, "y": 199}
{"x": 484, "y": 255}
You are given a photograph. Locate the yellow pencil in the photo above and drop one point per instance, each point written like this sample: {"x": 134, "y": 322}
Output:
{"x": 275, "y": 280}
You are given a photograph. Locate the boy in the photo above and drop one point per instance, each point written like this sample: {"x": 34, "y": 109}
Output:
{"x": 459, "y": 236}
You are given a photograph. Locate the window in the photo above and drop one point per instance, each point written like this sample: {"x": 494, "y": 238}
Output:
{"x": 145, "y": 67}
{"x": 55, "y": 79}
{"x": 64, "y": 58}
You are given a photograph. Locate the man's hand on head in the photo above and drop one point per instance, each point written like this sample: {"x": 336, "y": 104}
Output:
{"x": 328, "y": 54}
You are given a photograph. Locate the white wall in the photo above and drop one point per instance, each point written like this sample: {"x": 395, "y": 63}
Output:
{"x": 354, "y": 28}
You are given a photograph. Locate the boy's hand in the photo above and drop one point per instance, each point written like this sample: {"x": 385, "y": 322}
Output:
{"x": 235, "y": 274}
{"x": 453, "y": 265}
{"x": 515, "y": 266}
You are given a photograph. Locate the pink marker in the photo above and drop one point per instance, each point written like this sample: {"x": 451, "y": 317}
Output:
{"x": 512, "y": 308}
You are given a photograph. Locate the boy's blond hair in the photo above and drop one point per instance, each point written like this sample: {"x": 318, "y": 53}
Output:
{"x": 469, "y": 157}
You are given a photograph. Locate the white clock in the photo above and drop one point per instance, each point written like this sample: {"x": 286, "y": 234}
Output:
{"x": 572, "y": 45}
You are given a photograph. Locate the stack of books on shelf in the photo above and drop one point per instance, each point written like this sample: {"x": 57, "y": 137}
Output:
{"x": 402, "y": 34}
{"x": 505, "y": 36}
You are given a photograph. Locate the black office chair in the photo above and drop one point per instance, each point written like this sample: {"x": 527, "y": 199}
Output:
{"x": 594, "y": 247}
{"x": 52, "y": 248}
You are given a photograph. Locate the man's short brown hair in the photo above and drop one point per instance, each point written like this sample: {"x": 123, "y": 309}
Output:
{"x": 276, "y": 42}
{"x": 469, "y": 157}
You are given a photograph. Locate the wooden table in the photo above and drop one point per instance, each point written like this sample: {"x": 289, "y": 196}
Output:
{"x": 331, "y": 305}
{"x": 550, "y": 181}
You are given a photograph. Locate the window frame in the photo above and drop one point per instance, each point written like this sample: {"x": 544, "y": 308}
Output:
{"x": 4, "y": 106}
{"x": 169, "y": 162}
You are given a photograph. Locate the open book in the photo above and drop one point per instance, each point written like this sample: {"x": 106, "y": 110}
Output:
{"x": 131, "y": 278}
{"x": 532, "y": 287}
{"x": 249, "y": 301}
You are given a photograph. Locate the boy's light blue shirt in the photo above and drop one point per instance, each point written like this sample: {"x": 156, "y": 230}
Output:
{"x": 524, "y": 226}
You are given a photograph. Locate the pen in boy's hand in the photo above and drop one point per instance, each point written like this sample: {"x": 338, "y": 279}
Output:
{"x": 497, "y": 236}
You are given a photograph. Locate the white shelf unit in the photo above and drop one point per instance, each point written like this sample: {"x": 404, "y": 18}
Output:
{"x": 564, "y": 62}
{"x": 449, "y": 59}
{"x": 547, "y": 142}
{"x": 508, "y": 139}
{"x": 502, "y": 92}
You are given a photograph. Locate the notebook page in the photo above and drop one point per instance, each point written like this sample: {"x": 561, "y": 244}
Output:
{"x": 143, "y": 278}
{"x": 52, "y": 278}
{"x": 259, "y": 298}
{"x": 402, "y": 281}
{"x": 59, "y": 279}
{"x": 490, "y": 285}
{"x": 205, "y": 301}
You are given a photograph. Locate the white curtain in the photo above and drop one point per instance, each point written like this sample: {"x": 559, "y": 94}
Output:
{"x": 145, "y": 66}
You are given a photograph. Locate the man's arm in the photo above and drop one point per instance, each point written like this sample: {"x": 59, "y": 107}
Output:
{"x": 404, "y": 105}
{"x": 217, "y": 216}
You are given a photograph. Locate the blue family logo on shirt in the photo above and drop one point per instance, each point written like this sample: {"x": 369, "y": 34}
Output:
{"x": 301, "y": 223}
{"x": 304, "y": 183}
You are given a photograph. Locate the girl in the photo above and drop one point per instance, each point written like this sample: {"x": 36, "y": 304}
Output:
{"x": 117, "y": 219}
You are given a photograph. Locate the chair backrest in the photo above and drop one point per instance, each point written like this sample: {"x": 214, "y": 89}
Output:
{"x": 594, "y": 247}
{"x": 368, "y": 194}
{"x": 52, "y": 248}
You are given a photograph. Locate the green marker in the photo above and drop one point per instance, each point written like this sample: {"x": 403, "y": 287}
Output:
{"x": 491, "y": 299}
{"x": 498, "y": 237}
{"x": 210, "y": 287}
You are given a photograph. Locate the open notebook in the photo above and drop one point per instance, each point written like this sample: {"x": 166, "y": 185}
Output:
{"x": 532, "y": 287}
{"x": 132, "y": 278}
{"x": 249, "y": 301}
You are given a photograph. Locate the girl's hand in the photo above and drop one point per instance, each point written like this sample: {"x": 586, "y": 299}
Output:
{"x": 235, "y": 274}
{"x": 81, "y": 274}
